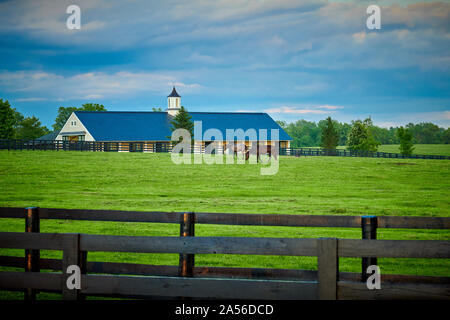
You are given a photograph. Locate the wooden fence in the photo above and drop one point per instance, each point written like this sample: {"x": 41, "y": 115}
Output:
{"x": 97, "y": 146}
{"x": 187, "y": 280}
{"x": 297, "y": 152}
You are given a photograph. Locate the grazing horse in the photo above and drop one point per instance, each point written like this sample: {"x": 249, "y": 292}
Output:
{"x": 258, "y": 152}
{"x": 238, "y": 148}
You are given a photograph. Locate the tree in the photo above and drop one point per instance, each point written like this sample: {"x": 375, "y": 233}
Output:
{"x": 156, "y": 109}
{"x": 31, "y": 128}
{"x": 308, "y": 134}
{"x": 406, "y": 145}
{"x": 361, "y": 137}
{"x": 446, "y": 136}
{"x": 344, "y": 130}
{"x": 330, "y": 137}
{"x": 426, "y": 132}
{"x": 183, "y": 121}
{"x": 18, "y": 118}
{"x": 304, "y": 133}
{"x": 7, "y": 120}
{"x": 282, "y": 124}
{"x": 65, "y": 112}
{"x": 92, "y": 107}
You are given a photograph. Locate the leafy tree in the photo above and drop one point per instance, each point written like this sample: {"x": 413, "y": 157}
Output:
{"x": 308, "y": 134}
{"x": 282, "y": 124}
{"x": 18, "y": 118}
{"x": 31, "y": 128}
{"x": 330, "y": 137}
{"x": 92, "y": 107}
{"x": 306, "y": 141}
{"x": 446, "y": 136}
{"x": 343, "y": 130}
{"x": 384, "y": 135}
{"x": 65, "y": 112}
{"x": 7, "y": 120}
{"x": 426, "y": 132}
{"x": 361, "y": 137}
{"x": 304, "y": 133}
{"x": 156, "y": 109}
{"x": 406, "y": 145}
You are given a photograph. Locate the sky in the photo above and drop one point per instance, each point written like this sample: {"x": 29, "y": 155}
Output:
{"x": 292, "y": 59}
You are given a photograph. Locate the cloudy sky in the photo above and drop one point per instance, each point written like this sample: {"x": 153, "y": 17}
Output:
{"x": 293, "y": 59}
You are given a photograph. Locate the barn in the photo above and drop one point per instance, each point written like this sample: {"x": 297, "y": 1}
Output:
{"x": 151, "y": 131}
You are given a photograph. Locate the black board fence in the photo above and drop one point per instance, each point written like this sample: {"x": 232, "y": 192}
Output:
{"x": 165, "y": 147}
{"x": 298, "y": 152}
{"x": 188, "y": 280}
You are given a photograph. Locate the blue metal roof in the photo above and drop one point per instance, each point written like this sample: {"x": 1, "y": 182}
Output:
{"x": 155, "y": 126}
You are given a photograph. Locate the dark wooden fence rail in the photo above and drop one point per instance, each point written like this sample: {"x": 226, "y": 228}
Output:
{"x": 166, "y": 147}
{"x": 354, "y": 153}
{"x": 327, "y": 286}
{"x": 286, "y": 220}
{"x": 187, "y": 280}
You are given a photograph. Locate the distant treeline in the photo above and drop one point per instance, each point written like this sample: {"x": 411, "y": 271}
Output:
{"x": 13, "y": 124}
{"x": 308, "y": 133}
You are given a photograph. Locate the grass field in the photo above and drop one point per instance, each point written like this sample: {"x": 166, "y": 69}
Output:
{"x": 423, "y": 149}
{"x": 149, "y": 182}
{"x": 432, "y": 149}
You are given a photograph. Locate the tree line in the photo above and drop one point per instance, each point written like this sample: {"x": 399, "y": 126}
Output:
{"x": 14, "y": 125}
{"x": 360, "y": 136}
{"x": 309, "y": 134}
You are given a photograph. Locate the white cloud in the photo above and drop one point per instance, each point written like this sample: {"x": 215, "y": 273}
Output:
{"x": 359, "y": 37}
{"x": 93, "y": 96}
{"x": 328, "y": 107}
{"x": 322, "y": 109}
{"x": 287, "y": 33}
{"x": 91, "y": 84}
{"x": 30, "y": 99}
{"x": 441, "y": 118}
{"x": 46, "y": 17}
{"x": 223, "y": 10}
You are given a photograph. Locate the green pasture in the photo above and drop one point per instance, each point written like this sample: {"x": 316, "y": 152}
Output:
{"x": 432, "y": 149}
{"x": 306, "y": 185}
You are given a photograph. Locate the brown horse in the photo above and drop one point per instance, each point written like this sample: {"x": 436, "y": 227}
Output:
{"x": 238, "y": 147}
{"x": 258, "y": 152}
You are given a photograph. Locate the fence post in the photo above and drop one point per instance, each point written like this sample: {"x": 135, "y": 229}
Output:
{"x": 187, "y": 229}
{"x": 369, "y": 226}
{"x": 31, "y": 256}
{"x": 327, "y": 268}
{"x": 72, "y": 256}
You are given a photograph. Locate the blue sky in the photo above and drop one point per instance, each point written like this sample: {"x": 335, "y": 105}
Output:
{"x": 292, "y": 59}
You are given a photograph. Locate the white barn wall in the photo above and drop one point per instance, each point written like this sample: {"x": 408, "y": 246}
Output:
{"x": 76, "y": 128}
